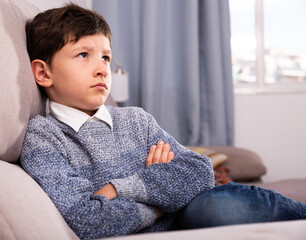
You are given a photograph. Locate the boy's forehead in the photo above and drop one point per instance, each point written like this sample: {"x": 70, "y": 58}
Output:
{"x": 90, "y": 41}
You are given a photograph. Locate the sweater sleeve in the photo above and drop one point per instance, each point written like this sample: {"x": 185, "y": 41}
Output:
{"x": 171, "y": 186}
{"x": 44, "y": 158}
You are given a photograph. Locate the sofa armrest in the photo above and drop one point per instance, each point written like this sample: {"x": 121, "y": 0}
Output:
{"x": 291, "y": 188}
{"x": 26, "y": 212}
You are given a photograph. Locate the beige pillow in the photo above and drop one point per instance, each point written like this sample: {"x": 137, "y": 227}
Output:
{"x": 19, "y": 96}
{"x": 215, "y": 157}
{"x": 26, "y": 212}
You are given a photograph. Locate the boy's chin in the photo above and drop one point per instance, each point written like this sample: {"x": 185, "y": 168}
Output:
{"x": 105, "y": 100}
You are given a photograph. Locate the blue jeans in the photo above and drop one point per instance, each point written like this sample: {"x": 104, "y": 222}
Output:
{"x": 235, "y": 203}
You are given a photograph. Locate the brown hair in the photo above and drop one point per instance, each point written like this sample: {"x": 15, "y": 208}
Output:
{"x": 49, "y": 31}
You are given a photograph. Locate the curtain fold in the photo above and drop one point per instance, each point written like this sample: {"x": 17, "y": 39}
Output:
{"x": 177, "y": 53}
{"x": 215, "y": 73}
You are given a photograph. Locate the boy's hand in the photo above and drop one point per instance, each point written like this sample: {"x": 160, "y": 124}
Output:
{"x": 159, "y": 213}
{"x": 159, "y": 154}
{"x": 109, "y": 191}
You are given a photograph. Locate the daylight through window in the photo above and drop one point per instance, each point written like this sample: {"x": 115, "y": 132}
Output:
{"x": 268, "y": 41}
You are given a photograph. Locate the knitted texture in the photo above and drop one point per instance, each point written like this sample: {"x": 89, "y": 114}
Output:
{"x": 71, "y": 166}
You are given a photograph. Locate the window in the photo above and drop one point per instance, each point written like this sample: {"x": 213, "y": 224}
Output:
{"x": 268, "y": 40}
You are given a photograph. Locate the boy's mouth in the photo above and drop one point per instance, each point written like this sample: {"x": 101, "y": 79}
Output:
{"x": 100, "y": 86}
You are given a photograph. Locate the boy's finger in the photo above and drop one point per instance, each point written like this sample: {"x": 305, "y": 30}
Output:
{"x": 149, "y": 159}
{"x": 164, "y": 156}
{"x": 158, "y": 152}
{"x": 170, "y": 156}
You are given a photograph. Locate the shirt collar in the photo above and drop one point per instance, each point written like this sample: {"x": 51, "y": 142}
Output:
{"x": 75, "y": 118}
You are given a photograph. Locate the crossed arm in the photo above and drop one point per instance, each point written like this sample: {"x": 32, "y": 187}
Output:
{"x": 167, "y": 187}
{"x": 159, "y": 153}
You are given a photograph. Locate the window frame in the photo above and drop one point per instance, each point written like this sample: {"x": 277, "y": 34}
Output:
{"x": 260, "y": 86}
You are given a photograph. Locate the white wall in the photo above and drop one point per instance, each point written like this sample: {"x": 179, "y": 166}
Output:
{"x": 44, "y": 4}
{"x": 274, "y": 126}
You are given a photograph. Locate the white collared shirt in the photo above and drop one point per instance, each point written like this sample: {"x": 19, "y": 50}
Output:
{"x": 76, "y": 118}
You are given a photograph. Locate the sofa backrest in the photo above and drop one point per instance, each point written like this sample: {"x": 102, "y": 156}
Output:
{"x": 20, "y": 99}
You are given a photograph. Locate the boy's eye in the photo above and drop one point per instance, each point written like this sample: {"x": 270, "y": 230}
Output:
{"x": 106, "y": 58}
{"x": 83, "y": 55}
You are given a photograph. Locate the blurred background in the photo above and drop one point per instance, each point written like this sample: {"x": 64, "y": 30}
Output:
{"x": 216, "y": 72}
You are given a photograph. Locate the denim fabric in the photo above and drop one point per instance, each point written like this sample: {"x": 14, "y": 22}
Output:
{"x": 235, "y": 203}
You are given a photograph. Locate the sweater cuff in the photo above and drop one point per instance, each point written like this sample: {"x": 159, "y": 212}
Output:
{"x": 132, "y": 187}
{"x": 147, "y": 215}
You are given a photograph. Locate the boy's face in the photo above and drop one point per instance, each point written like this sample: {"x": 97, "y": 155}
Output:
{"x": 80, "y": 74}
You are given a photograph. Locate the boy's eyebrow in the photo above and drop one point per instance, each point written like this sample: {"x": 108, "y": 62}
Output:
{"x": 107, "y": 52}
{"x": 87, "y": 48}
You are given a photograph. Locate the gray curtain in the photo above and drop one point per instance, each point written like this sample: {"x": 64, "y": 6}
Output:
{"x": 177, "y": 53}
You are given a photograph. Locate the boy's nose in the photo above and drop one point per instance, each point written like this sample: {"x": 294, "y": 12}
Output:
{"x": 101, "y": 69}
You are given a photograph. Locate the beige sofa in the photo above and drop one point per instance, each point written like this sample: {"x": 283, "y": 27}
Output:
{"x": 26, "y": 212}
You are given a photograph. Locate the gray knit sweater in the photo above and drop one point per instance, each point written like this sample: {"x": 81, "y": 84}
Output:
{"x": 71, "y": 166}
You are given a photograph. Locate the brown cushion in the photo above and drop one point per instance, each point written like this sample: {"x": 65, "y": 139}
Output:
{"x": 244, "y": 164}
{"x": 19, "y": 96}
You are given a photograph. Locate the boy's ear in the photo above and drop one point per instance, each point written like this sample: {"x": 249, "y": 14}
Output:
{"x": 41, "y": 72}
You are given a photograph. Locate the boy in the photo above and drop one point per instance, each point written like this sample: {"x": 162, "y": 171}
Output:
{"x": 110, "y": 171}
{"x": 91, "y": 160}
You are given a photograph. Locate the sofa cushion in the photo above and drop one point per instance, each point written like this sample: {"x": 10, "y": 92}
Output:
{"x": 244, "y": 165}
{"x": 293, "y": 230}
{"x": 19, "y": 96}
{"x": 291, "y": 188}
{"x": 26, "y": 212}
